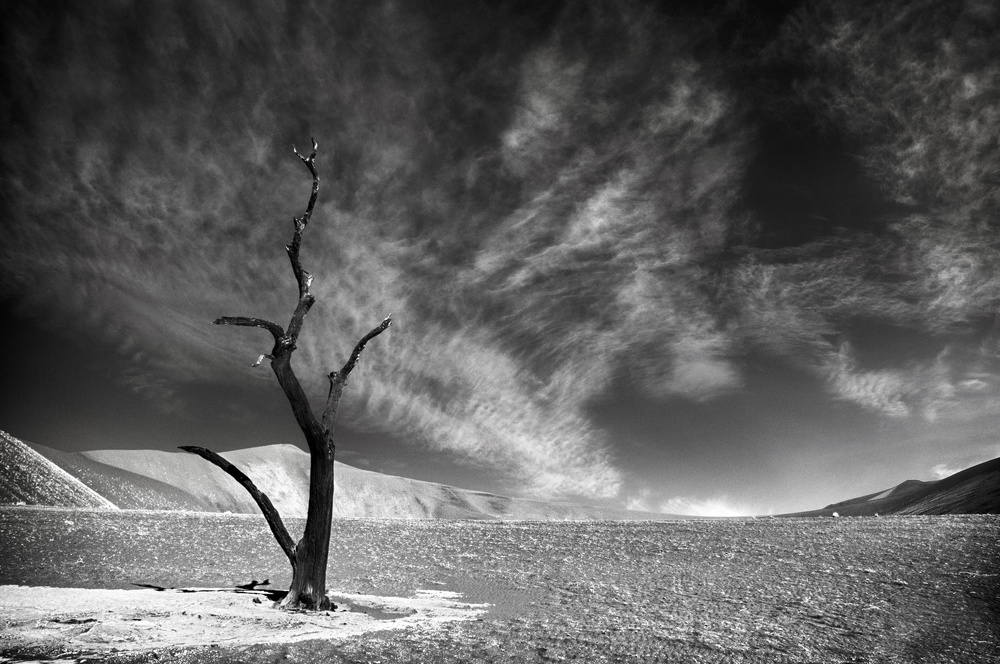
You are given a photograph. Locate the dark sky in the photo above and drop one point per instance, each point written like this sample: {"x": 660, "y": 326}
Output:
{"x": 699, "y": 257}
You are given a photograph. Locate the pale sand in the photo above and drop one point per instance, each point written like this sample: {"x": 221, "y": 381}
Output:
{"x": 71, "y": 619}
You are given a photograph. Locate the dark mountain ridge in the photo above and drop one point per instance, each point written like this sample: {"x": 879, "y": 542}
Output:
{"x": 975, "y": 490}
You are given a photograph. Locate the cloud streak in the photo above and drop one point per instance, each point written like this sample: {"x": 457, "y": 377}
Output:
{"x": 550, "y": 209}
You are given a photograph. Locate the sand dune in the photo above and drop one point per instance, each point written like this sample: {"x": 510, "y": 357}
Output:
{"x": 975, "y": 490}
{"x": 153, "y": 479}
{"x": 31, "y": 478}
{"x": 125, "y": 489}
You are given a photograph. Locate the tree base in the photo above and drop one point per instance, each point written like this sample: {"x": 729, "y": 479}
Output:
{"x": 305, "y": 603}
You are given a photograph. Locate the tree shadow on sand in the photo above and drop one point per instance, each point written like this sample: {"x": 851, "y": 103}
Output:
{"x": 251, "y": 588}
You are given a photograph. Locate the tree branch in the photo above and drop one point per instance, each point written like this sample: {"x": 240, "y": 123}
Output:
{"x": 244, "y": 321}
{"x": 284, "y": 342}
{"x": 310, "y": 163}
{"x": 303, "y": 278}
{"x": 263, "y": 502}
{"x": 349, "y": 365}
{"x": 338, "y": 378}
{"x": 281, "y": 364}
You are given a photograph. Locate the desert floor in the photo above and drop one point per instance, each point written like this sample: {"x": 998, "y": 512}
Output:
{"x": 902, "y": 589}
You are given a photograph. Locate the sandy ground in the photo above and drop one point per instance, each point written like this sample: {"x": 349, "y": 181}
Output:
{"x": 143, "y": 620}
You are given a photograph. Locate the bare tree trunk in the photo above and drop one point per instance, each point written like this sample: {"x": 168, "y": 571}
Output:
{"x": 308, "y": 589}
{"x": 309, "y": 556}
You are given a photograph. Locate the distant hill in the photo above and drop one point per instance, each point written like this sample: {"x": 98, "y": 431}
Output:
{"x": 30, "y": 478}
{"x": 151, "y": 479}
{"x": 975, "y": 490}
{"x": 125, "y": 489}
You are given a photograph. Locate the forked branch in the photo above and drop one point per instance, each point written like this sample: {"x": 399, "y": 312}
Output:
{"x": 285, "y": 343}
{"x": 263, "y": 502}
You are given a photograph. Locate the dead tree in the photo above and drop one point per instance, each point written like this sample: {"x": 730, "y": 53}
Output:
{"x": 308, "y": 556}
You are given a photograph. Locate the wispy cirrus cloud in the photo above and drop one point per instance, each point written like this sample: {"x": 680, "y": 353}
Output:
{"x": 549, "y": 209}
{"x": 513, "y": 307}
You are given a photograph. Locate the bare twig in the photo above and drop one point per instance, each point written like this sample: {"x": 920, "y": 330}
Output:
{"x": 263, "y": 356}
{"x": 310, "y": 163}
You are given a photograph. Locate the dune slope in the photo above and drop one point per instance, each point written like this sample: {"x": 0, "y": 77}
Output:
{"x": 30, "y": 478}
{"x": 975, "y": 490}
{"x": 153, "y": 479}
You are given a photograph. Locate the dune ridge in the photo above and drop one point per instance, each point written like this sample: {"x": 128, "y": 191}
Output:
{"x": 159, "y": 480}
{"x": 975, "y": 490}
{"x": 31, "y": 478}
